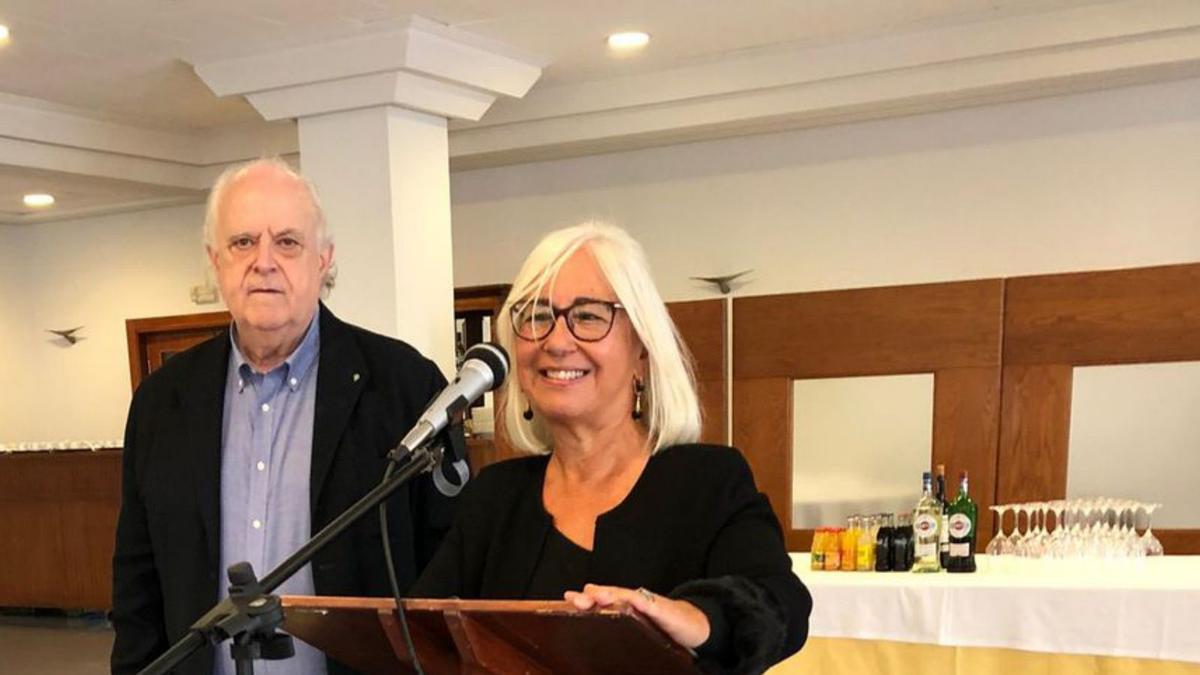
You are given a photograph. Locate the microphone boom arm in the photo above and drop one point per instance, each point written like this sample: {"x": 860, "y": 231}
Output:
{"x": 207, "y": 630}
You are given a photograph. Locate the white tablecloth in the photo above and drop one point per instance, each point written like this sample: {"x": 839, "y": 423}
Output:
{"x": 1147, "y": 608}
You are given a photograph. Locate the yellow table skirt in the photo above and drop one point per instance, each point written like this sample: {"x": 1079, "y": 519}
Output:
{"x": 828, "y": 656}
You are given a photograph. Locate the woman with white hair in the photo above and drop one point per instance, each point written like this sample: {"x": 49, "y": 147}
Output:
{"x": 618, "y": 503}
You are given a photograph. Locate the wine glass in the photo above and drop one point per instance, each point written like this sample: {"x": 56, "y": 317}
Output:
{"x": 1056, "y": 543}
{"x": 1000, "y": 544}
{"x": 1151, "y": 546}
{"x": 1021, "y": 539}
{"x": 1035, "y": 539}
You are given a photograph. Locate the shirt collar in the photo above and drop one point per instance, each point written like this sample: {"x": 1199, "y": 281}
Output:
{"x": 296, "y": 366}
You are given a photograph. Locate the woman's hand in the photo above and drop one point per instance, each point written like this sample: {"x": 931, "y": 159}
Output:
{"x": 679, "y": 619}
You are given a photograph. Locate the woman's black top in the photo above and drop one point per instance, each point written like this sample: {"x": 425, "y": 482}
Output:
{"x": 563, "y": 564}
{"x": 694, "y": 527}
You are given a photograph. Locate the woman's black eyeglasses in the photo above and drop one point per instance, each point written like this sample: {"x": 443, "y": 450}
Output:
{"x": 588, "y": 319}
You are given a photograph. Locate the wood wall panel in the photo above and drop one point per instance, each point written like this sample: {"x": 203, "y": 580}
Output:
{"x": 1056, "y": 322}
{"x": 966, "y": 429}
{"x": 1123, "y": 316}
{"x": 703, "y": 326}
{"x": 952, "y": 330}
{"x": 713, "y": 412}
{"x": 58, "y": 513}
{"x": 149, "y": 338}
{"x": 1035, "y": 422}
{"x": 762, "y": 430}
{"x": 1179, "y": 542}
{"x": 871, "y": 331}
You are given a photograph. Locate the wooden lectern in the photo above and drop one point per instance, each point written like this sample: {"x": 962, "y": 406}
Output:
{"x": 474, "y": 637}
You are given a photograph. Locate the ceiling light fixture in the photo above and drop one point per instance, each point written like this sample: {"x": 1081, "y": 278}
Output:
{"x": 38, "y": 200}
{"x": 3, "y": 33}
{"x": 631, "y": 40}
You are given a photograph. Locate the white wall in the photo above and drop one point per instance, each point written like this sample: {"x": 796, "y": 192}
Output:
{"x": 17, "y": 335}
{"x": 1090, "y": 181}
{"x": 95, "y": 272}
{"x": 1082, "y": 182}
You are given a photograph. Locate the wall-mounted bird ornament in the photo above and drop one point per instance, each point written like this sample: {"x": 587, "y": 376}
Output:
{"x": 68, "y": 334}
{"x": 723, "y": 283}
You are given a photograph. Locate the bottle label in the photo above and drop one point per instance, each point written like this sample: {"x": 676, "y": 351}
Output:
{"x": 926, "y": 525}
{"x": 960, "y": 550}
{"x": 960, "y": 525}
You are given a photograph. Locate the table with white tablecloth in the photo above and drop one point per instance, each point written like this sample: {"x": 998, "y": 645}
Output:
{"x": 1013, "y": 616}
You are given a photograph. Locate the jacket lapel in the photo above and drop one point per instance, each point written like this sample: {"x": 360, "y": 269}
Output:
{"x": 202, "y": 400}
{"x": 341, "y": 376}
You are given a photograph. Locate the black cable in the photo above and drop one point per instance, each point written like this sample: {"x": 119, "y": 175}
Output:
{"x": 391, "y": 572}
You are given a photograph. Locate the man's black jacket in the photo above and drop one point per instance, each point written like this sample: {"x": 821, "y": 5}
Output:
{"x": 370, "y": 390}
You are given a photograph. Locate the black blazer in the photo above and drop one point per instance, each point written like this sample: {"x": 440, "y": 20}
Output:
{"x": 694, "y": 526}
{"x": 370, "y": 390}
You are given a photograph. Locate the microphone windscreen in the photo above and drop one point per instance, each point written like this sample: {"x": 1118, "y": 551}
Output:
{"x": 494, "y": 356}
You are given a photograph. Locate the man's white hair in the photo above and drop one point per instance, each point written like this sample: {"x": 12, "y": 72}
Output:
{"x": 235, "y": 173}
{"x": 672, "y": 408}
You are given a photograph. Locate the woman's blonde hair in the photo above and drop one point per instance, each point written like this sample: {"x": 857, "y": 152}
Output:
{"x": 671, "y": 409}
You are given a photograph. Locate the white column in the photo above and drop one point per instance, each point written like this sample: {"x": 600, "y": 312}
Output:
{"x": 383, "y": 177}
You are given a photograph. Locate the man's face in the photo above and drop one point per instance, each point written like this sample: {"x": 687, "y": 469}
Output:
{"x": 265, "y": 252}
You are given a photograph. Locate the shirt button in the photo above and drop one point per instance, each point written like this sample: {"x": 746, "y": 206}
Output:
{"x": 266, "y": 407}
{"x": 293, "y": 381}
{"x": 257, "y": 524}
{"x": 261, "y": 466}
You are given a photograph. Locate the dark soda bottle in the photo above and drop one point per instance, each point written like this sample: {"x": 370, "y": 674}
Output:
{"x": 883, "y": 543}
{"x": 903, "y": 544}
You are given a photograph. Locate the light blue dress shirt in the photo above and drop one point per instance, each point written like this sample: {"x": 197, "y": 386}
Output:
{"x": 266, "y": 455}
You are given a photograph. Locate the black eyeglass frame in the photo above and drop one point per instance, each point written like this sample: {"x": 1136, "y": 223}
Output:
{"x": 565, "y": 313}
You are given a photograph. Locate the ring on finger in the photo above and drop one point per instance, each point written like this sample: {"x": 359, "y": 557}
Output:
{"x": 646, "y": 593}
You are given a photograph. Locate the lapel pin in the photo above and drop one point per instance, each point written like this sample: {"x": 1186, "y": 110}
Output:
{"x": 355, "y": 377}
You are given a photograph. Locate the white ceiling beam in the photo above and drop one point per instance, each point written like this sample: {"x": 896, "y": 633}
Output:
{"x": 1100, "y": 46}
{"x": 43, "y": 123}
{"x": 1073, "y": 29}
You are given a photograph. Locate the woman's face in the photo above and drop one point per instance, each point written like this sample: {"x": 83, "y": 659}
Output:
{"x": 571, "y": 382}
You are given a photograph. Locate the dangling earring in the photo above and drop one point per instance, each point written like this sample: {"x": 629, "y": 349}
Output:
{"x": 528, "y": 414}
{"x": 638, "y": 388}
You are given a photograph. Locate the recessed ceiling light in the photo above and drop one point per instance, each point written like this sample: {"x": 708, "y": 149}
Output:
{"x": 38, "y": 200}
{"x": 632, "y": 40}
{"x": 3, "y": 33}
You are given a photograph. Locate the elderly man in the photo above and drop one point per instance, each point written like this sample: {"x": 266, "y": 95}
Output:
{"x": 240, "y": 448}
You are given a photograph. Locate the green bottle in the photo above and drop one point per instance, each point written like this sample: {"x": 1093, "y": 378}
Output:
{"x": 963, "y": 516}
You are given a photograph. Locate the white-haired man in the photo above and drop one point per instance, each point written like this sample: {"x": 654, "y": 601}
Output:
{"x": 242, "y": 447}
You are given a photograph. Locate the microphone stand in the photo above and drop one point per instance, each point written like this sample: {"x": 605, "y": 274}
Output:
{"x": 251, "y": 615}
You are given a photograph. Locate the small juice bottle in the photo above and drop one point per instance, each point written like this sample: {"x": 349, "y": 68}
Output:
{"x": 865, "y": 560}
{"x": 833, "y": 549}
{"x": 817, "y": 558}
{"x": 850, "y": 545}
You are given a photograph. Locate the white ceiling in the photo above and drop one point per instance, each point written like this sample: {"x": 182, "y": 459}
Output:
{"x": 75, "y": 194}
{"x": 130, "y": 58}
{"x": 99, "y": 101}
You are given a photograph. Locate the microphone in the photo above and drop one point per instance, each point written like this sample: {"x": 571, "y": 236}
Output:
{"x": 484, "y": 368}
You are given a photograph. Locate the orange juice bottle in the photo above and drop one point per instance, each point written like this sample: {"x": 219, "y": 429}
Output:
{"x": 850, "y": 545}
{"x": 833, "y": 548}
{"x": 817, "y": 555}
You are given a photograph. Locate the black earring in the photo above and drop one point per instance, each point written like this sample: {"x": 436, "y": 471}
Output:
{"x": 528, "y": 414}
{"x": 638, "y": 388}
